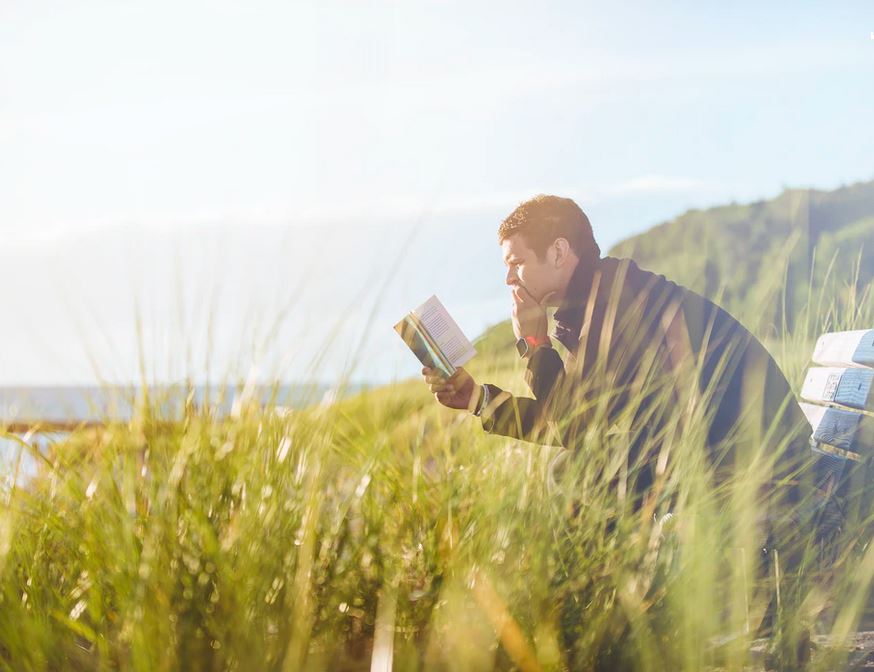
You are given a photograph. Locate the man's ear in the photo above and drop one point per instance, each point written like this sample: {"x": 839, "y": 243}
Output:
{"x": 561, "y": 248}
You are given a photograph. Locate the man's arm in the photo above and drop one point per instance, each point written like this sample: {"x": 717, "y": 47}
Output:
{"x": 545, "y": 370}
{"x": 502, "y": 413}
{"x": 522, "y": 417}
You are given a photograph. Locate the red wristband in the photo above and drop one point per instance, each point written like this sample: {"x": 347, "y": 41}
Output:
{"x": 533, "y": 342}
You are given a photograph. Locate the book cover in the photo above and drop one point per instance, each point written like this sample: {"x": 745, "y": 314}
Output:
{"x": 435, "y": 338}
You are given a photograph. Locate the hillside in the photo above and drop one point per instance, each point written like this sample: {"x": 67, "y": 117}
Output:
{"x": 739, "y": 254}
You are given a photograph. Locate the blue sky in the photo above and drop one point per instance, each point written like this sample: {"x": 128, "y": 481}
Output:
{"x": 164, "y": 119}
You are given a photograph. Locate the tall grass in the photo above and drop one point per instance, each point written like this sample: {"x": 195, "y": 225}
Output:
{"x": 384, "y": 531}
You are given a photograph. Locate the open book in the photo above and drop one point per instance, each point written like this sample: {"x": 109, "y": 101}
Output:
{"x": 434, "y": 337}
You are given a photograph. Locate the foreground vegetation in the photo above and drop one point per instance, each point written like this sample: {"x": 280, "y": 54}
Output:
{"x": 385, "y": 530}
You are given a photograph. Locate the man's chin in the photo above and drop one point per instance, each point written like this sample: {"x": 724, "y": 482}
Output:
{"x": 532, "y": 294}
{"x": 546, "y": 299}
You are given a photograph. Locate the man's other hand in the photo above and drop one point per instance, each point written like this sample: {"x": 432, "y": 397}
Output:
{"x": 460, "y": 391}
{"x": 529, "y": 314}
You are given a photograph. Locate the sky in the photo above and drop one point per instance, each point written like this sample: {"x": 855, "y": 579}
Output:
{"x": 183, "y": 182}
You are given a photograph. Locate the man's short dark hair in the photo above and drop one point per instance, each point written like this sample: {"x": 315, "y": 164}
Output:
{"x": 544, "y": 218}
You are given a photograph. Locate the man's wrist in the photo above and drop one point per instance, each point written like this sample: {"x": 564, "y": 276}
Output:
{"x": 535, "y": 342}
{"x": 526, "y": 345}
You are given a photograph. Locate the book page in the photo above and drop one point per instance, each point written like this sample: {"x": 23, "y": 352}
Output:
{"x": 445, "y": 332}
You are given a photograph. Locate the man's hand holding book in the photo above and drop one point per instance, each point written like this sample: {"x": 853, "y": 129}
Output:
{"x": 434, "y": 337}
{"x": 458, "y": 391}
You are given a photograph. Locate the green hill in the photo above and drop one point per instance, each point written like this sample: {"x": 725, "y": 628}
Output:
{"x": 741, "y": 255}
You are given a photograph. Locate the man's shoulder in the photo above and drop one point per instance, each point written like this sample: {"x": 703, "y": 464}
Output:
{"x": 616, "y": 266}
{"x": 637, "y": 279}
{"x": 627, "y": 268}
{"x": 695, "y": 306}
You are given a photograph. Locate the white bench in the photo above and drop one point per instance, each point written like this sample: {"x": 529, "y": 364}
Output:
{"x": 838, "y": 396}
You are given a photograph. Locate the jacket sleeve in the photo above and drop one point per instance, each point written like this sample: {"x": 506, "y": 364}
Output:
{"x": 523, "y": 417}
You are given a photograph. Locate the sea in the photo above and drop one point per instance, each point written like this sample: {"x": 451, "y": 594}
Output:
{"x": 35, "y": 412}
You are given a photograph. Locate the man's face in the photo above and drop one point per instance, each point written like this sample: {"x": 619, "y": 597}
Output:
{"x": 538, "y": 277}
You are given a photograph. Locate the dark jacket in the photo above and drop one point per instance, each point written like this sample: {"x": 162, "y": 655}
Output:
{"x": 636, "y": 344}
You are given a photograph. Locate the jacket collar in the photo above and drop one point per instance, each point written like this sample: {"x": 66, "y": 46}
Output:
{"x": 569, "y": 316}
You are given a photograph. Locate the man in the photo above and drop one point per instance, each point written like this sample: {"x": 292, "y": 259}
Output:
{"x": 647, "y": 362}
{"x": 640, "y": 351}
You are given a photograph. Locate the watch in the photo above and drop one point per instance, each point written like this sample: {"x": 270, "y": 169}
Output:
{"x": 483, "y": 401}
{"x": 525, "y": 346}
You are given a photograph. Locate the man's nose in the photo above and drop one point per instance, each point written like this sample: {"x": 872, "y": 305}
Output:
{"x": 511, "y": 279}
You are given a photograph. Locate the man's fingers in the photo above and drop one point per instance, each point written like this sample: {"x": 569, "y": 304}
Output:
{"x": 525, "y": 300}
{"x": 522, "y": 295}
{"x": 459, "y": 375}
{"x": 442, "y": 386}
{"x": 519, "y": 296}
{"x": 432, "y": 375}
{"x": 446, "y": 397}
